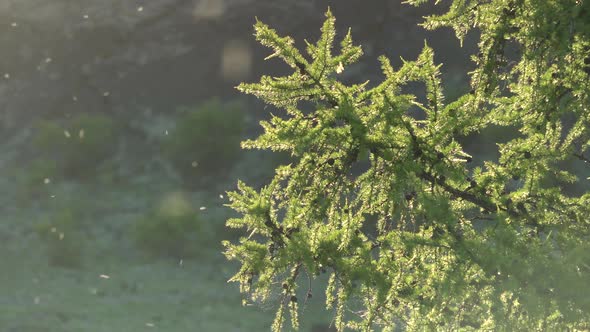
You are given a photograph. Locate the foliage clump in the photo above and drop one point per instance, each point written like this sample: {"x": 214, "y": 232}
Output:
{"x": 35, "y": 180}
{"x": 412, "y": 235}
{"x": 206, "y": 139}
{"x": 77, "y": 145}
{"x": 63, "y": 238}
{"x": 173, "y": 229}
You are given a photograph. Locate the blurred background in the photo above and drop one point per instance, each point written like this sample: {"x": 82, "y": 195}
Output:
{"x": 119, "y": 136}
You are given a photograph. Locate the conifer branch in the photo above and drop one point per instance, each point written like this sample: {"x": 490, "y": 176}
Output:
{"x": 314, "y": 229}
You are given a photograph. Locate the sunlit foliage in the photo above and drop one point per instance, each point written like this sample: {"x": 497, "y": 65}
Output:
{"x": 411, "y": 234}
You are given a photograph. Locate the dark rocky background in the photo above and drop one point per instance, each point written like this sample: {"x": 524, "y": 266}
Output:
{"x": 119, "y": 57}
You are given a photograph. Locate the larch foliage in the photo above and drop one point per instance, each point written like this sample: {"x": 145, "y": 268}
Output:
{"x": 412, "y": 236}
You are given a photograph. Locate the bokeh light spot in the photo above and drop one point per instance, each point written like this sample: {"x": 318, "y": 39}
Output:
{"x": 236, "y": 60}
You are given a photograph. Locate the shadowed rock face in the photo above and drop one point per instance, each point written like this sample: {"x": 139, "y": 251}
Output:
{"x": 63, "y": 56}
